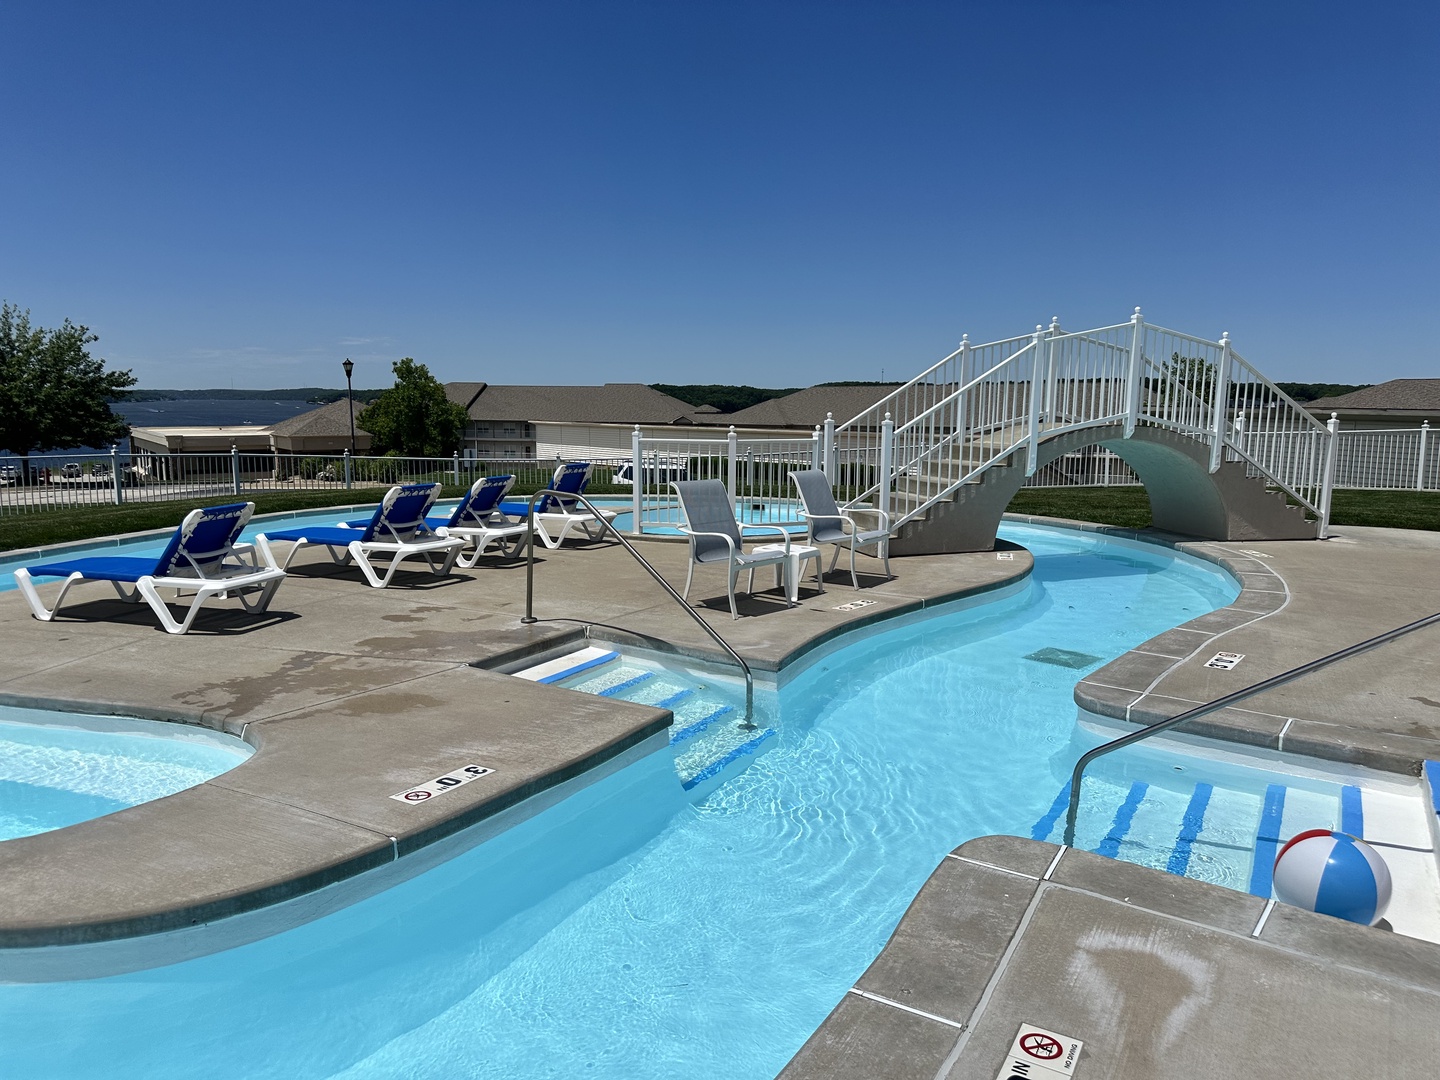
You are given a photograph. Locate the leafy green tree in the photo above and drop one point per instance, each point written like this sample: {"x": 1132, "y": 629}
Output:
{"x": 53, "y": 393}
{"x": 1195, "y": 373}
{"x": 414, "y": 417}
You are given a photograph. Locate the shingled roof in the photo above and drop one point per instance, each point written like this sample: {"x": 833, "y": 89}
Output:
{"x": 613, "y": 403}
{"x": 332, "y": 419}
{"x": 806, "y": 408}
{"x": 1397, "y": 395}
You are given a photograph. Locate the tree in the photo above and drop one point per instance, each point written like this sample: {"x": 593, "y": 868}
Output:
{"x": 53, "y": 393}
{"x": 1195, "y": 373}
{"x": 414, "y": 417}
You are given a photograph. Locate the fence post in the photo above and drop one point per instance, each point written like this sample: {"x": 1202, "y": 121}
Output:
{"x": 235, "y": 467}
{"x": 964, "y": 359}
{"x": 455, "y": 460}
{"x": 1219, "y": 405}
{"x": 349, "y": 476}
{"x": 827, "y": 448}
{"x": 1420, "y": 464}
{"x": 887, "y": 444}
{"x": 1327, "y": 486}
{"x": 636, "y": 485}
{"x": 817, "y": 450}
{"x": 1137, "y": 373}
{"x": 732, "y": 462}
{"x": 1051, "y": 370}
{"x": 1037, "y": 365}
{"x": 120, "y": 498}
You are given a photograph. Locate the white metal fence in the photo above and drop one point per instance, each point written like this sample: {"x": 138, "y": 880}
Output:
{"x": 756, "y": 472}
{"x": 50, "y": 481}
{"x": 1389, "y": 460}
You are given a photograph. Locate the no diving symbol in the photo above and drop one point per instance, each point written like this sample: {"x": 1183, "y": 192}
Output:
{"x": 416, "y": 796}
{"x": 1040, "y": 1046}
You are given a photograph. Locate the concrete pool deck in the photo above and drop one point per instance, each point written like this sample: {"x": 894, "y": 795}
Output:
{"x": 352, "y": 694}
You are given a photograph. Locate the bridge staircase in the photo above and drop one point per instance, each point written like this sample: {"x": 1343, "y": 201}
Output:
{"x": 1222, "y": 451}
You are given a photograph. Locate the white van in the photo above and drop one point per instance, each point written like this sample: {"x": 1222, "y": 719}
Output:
{"x": 653, "y": 473}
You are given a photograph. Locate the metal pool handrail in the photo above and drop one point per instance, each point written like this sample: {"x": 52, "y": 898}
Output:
{"x": 1229, "y": 699}
{"x": 749, "y": 723}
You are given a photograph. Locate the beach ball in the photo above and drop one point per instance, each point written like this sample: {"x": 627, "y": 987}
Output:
{"x": 1335, "y": 874}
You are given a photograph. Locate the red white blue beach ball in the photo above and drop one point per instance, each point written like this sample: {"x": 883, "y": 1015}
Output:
{"x": 1335, "y": 874}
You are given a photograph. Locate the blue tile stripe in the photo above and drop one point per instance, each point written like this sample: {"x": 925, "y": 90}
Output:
{"x": 620, "y": 688}
{"x": 691, "y": 730}
{"x": 586, "y": 666}
{"x": 1352, "y": 814}
{"x": 1046, "y": 825}
{"x": 1190, "y": 826}
{"x": 674, "y": 699}
{"x": 1267, "y": 841}
{"x": 714, "y": 767}
{"x": 1110, "y": 846}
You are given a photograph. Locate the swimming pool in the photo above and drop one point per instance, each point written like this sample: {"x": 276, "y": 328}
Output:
{"x": 632, "y": 932}
{"x": 57, "y": 768}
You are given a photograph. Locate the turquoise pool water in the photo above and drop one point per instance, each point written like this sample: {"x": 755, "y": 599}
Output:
{"x": 59, "y": 768}
{"x": 632, "y": 932}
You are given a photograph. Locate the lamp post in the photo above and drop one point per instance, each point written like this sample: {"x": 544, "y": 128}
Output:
{"x": 349, "y": 366}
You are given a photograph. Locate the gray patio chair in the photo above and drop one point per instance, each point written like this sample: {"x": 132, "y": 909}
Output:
{"x": 716, "y": 537}
{"x": 828, "y": 524}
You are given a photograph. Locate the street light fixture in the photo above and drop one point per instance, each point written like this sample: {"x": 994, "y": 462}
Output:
{"x": 349, "y": 366}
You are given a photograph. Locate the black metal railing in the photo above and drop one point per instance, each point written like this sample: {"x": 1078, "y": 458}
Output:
{"x": 1284, "y": 677}
{"x": 748, "y": 723}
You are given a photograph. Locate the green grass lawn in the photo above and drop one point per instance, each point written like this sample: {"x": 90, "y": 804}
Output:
{"x": 1124, "y": 506}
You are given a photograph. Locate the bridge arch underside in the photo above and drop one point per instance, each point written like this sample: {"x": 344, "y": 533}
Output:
{"x": 1185, "y": 497}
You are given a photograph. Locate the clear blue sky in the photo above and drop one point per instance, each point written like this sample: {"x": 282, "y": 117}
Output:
{"x": 776, "y": 192}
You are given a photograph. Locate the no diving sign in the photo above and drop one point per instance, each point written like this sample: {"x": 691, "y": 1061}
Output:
{"x": 1040, "y": 1054}
{"x": 442, "y": 784}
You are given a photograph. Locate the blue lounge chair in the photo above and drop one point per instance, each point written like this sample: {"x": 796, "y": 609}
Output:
{"x": 397, "y": 528}
{"x": 202, "y": 557}
{"x": 476, "y": 519}
{"x": 556, "y": 516}
{"x": 717, "y": 537}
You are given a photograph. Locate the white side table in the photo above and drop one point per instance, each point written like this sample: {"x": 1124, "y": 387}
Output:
{"x": 798, "y": 554}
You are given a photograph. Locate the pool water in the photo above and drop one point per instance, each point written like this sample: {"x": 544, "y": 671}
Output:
{"x": 637, "y": 930}
{"x": 60, "y": 768}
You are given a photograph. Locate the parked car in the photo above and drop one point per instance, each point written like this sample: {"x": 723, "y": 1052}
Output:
{"x": 72, "y": 471}
{"x": 652, "y": 473}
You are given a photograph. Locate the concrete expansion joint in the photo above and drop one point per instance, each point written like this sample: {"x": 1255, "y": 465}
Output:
{"x": 992, "y": 866}
{"x": 1001, "y": 967}
{"x": 1264, "y": 918}
{"x": 868, "y": 996}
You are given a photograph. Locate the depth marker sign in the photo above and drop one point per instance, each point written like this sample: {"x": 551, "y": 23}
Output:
{"x": 442, "y": 784}
{"x": 1225, "y": 660}
{"x": 1038, "y": 1054}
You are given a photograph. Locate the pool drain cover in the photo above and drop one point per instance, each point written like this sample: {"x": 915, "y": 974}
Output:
{"x": 1064, "y": 658}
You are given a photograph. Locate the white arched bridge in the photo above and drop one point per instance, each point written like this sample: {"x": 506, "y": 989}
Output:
{"x": 1223, "y": 452}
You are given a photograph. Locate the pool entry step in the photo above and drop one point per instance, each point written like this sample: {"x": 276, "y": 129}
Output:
{"x": 706, "y": 736}
{"x": 1230, "y": 836}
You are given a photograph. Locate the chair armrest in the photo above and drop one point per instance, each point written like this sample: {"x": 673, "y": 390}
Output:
{"x": 784, "y": 535}
{"x": 724, "y": 536}
{"x": 881, "y": 517}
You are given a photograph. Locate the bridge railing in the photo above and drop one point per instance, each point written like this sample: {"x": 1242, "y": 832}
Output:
{"x": 982, "y": 404}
